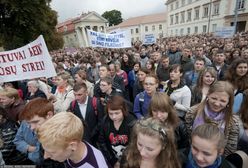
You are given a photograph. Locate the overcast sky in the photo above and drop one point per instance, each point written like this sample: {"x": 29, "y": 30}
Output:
{"x": 129, "y": 8}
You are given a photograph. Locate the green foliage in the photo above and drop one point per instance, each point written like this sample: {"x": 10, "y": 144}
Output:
{"x": 22, "y": 21}
{"x": 114, "y": 17}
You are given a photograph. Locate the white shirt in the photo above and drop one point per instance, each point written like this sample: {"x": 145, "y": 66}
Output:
{"x": 83, "y": 107}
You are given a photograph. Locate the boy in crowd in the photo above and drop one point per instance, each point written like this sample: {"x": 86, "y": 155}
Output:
{"x": 61, "y": 137}
{"x": 34, "y": 114}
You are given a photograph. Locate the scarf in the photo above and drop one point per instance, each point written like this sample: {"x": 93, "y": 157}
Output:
{"x": 208, "y": 116}
{"x": 169, "y": 90}
{"x": 192, "y": 164}
{"x": 61, "y": 89}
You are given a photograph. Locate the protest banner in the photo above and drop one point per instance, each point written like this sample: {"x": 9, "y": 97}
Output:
{"x": 116, "y": 40}
{"x": 149, "y": 39}
{"x": 30, "y": 61}
{"x": 224, "y": 32}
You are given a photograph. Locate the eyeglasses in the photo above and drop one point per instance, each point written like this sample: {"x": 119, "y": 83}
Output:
{"x": 154, "y": 127}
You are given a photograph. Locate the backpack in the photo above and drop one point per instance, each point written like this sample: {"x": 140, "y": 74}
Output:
{"x": 93, "y": 103}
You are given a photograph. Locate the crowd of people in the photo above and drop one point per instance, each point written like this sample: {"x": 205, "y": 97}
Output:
{"x": 181, "y": 102}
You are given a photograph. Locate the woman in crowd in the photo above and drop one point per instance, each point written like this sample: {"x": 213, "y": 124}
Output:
{"x": 238, "y": 76}
{"x": 64, "y": 94}
{"x": 243, "y": 143}
{"x": 80, "y": 77}
{"x": 150, "y": 65}
{"x": 216, "y": 109}
{"x": 138, "y": 84}
{"x": 34, "y": 91}
{"x": 152, "y": 145}
{"x": 132, "y": 77}
{"x": 127, "y": 62}
{"x": 208, "y": 143}
{"x": 142, "y": 100}
{"x": 161, "y": 108}
{"x": 115, "y": 130}
{"x": 178, "y": 91}
{"x": 206, "y": 78}
{"x": 121, "y": 73}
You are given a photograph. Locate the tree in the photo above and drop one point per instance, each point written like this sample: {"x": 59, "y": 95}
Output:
{"x": 23, "y": 21}
{"x": 113, "y": 16}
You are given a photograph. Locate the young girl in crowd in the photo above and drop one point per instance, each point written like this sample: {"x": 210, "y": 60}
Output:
{"x": 115, "y": 130}
{"x": 138, "y": 84}
{"x": 142, "y": 100}
{"x": 152, "y": 145}
{"x": 178, "y": 91}
{"x": 207, "y": 146}
{"x": 150, "y": 66}
{"x": 238, "y": 76}
{"x": 206, "y": 78}
{"x": 216, "y": 109}
{"x": 132, "y": 77}
{"x": 161, "y": 108}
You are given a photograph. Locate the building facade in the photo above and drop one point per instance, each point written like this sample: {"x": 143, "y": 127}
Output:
{"x": 204, "y": 16}
{"x": 74, "y": 30}
{"x": 140, "y": 26}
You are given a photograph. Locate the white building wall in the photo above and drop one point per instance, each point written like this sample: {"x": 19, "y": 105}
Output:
{"x": 219, "y": 8}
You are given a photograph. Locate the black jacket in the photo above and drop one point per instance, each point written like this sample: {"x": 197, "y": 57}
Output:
{"x": 91, "y": 120}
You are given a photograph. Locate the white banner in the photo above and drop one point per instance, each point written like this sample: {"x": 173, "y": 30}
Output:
{"x": 116, "y": 40}
{"x": 28, "y": 62}
{"x": 149, "y": 39}
{"x": 224, "y": 32}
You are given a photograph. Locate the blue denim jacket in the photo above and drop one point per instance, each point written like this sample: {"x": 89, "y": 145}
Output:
{"x": 24, "y": 137}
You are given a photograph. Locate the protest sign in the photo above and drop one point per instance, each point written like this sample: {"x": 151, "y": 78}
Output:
{"x": 116, "y": 40}
{"x": 28, "y": 62}
{"x": 149, "y": 39}
{"x": 224, "y": 32}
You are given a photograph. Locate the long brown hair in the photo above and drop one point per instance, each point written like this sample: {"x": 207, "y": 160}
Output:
{"x": 220, "y": 86}
{"x": 167, "y": 157}
{"x": 161, "y": 101}
{"x": 238, "y": 82}
{"x": 244, "y": 109}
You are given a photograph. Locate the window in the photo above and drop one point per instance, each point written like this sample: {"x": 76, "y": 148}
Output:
{"x": 146, "y": 29}
{"x": 176, "y": 32}
{"x": 131, "y": 31}
{"x": 204, "y": 28}
{"x": 137, "y": 30}
{"x": 181, "y": 31}
{"x": 182, "y": 17}
{"x": 177, "y": 4}
{"x": 183, "y": 2}
{"x": 188, "y": 30}
{"x": 153, "y": 27}
{"x": 241, "y": 4}
{"x": 196, "y": 29}
{"x": 137, "y": 38}
{"x": 216, "y": 9}
{"x": 171, "y": 19}
{"x": 171, "y": 32}
{"x": 65, "y": 28}
{"x": 189, "y": 1}
{"x": 132, "y": 39}
{"x": 189, "y": 16}
{"x": 160, "y": 27}
{"x": 171, "y": 7}
{"x": 205, "y": 11}
{"x": 197, "y": 13}
{"x": 214, "y": 26}
{"x": 177, "y": 18}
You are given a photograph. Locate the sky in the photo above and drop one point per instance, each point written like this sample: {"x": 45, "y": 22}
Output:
{"x": 129, "y": 8}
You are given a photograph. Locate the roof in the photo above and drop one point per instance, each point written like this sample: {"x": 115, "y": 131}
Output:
{"x": 169, "y": 1}
{"x": 159, "y": 17}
